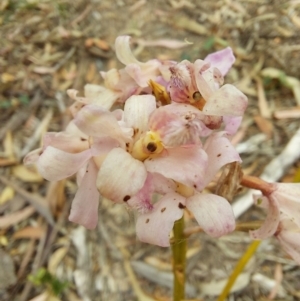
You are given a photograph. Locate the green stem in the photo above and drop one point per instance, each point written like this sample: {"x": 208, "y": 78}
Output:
{"x": 179, "y": 260}
{"x": 238, "y": 269}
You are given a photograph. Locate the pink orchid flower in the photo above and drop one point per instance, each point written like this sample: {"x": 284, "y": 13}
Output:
{"x": 200, "y": 84}
{"x": 283, "y": 219}
{"x": 66, "y": 153}
{"x": 123, "y": 174}
{"x": 288, "y": 235}
{"x": 143, "y": 154}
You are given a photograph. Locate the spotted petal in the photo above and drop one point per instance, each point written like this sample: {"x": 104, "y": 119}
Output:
{"x": 227, "y": 100}
{"x": 186, "y": 165}
{"x": 120, "y": 176}
{"x": 155, "y": 227}
{"x": 220, "y": 152}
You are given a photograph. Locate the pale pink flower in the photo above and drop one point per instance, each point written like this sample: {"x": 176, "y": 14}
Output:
{"x": 200, "y": 84}
{"x": 285, "y": 198}
{"x": 288, "y": 235}
{"x": 66, "y": 153}
{"x": 283, "y": 218}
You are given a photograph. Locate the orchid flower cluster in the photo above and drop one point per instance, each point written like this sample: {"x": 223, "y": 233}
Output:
{"x": 152, "y": 137}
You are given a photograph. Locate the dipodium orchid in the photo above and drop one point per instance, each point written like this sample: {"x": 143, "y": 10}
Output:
{"x": 132, "y": 147}
{"x": 153, "y": 137}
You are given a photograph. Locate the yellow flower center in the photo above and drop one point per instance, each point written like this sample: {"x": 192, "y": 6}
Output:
{"x": 147, "y": 145}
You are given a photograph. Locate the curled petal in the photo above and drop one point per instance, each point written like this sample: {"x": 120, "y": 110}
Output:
{"x": 33, "y": 156}
{"x": 186, "y": 165}
{"x": 84, "y": 209}
{"x": 55, "y": 164}
{"x": 137, "y": 111}
{"x": 213, "y": 213}
{"x": 227, "y": 100}
{"x": 270, "y": 224}
{"x": 220, "y": 152}
{"x": 120, "y": 176}
{"x": 223, "y": 60}
{"x": 123, "y": 51}
{"x": 205, "y": 84}
{"x": 155, "y": 227}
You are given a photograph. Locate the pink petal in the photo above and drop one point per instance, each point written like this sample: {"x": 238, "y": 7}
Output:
{"x": 186, "y": 165}
{"x": 178, "y": 124}
{"x": 32, "y": 157}
{"x": 55, "y": 164}
{"x": 227, "y": 100}
{"x": 288, "y": 198}
{"x": 66, "y": 142}
{"x": 98, "y": 122}
{"x": 120, "y": 176}
{"x": 142, "y": 201}
{"x": 101, "y": 96}
{"x": 232, "y": 123}
{"x": 223, "y": 60}
{"x": 137, "y": 111}
{"x": 155, "y": 227}
{"x": 270, "y": 224}
{"x": 290, "y": 242}
{"x": 84, "y": 210}
{"x": 220, "y": 152}
{"x": 205, "y": 86}
{"x": 162, "y": 185}
{"x": 213, "y": 213}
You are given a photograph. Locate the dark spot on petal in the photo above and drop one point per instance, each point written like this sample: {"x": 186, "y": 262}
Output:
{"x": 126, "y": 198}
{"x": 195, "y": 186}
{"x": 163, "y": 209}
{"x": 219, "y": 155}
{"x": 83, "y": 139}
{"x": 151, "y": 147}
{"x": 147, "y": 220}
{"x": 181, "y": 206}
{"x": 127, "y": 144}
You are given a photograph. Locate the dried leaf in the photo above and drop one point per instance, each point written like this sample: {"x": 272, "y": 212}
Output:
{"x": 29, "y": 232}
{"x": 8, "y": 145}
{"x": 6, "y": 195}
{"x": 56, "y": 196}
{"x": 7, "y": 275}
{"x": 16, "y": 217}
{"x": 6, "y": 78}
{"x": 265, "y": 125}
{"x": 56, "y": 258}
{"x": 101, "y": 44}
{"x": 35, "y": 200}
{"x": 27, "y": 174}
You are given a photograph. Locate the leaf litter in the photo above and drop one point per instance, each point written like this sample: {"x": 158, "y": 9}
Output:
{"x": 50, "y": 46}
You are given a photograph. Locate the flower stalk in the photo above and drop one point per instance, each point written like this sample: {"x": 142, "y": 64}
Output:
{"x": 179, "y": 247}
